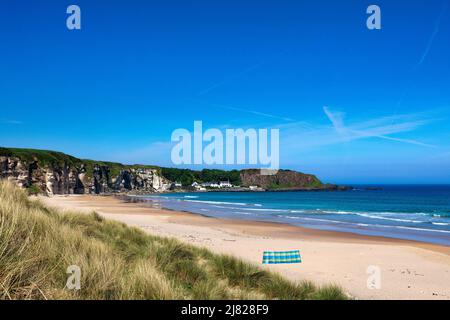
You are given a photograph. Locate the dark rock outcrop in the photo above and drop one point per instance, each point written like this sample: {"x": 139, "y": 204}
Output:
{"x": 285, "y": 180}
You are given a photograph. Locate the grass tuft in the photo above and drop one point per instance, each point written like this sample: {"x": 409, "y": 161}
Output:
{"x": 38, "y": 244}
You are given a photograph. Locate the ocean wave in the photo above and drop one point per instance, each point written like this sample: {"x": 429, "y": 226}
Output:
{"x": 345, "y": 212}
{"x": 441, "y": 215}
{"x": 327, "y": 220}
{"x": 263, "y": 210}
{"x": 336, "y": 211}
{"x": 440, "y": 224}
{"x": 381, "y": 213}
{"x": 390, "y": 219}
{"x": 251, "y": 209}
{"x": 366, "y": 225}
{"x": 422, "y": 229}
{"x": 310, "y": 219}
{"x": 367, "y": 214}
{"x": 356, "y": 218}
{"x": 245, "y": 213}
{"x": 218, "y": 202}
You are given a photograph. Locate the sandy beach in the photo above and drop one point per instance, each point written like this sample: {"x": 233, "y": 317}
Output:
{"x": 409, "y": 270}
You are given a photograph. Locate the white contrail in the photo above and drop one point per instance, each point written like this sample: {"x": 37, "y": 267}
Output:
{"x": 234, "y": 108}
{"x": 254, "y": 112}
{"x": 218, "y": 84}
{"x": 10, "y": 121}
{"x": 415, "y": 142}
{"x": 433, "y": 35}
{"x": 241, "y": 73}
{"x": 337, "y": 120}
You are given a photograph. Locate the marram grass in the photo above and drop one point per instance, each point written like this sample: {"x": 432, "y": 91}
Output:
{"x": 38, "y": 243}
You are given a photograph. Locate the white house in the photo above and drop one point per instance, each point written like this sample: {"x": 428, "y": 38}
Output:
{"x": 176, "y": 184}
{"x": 197, "y": 186}
{"x": 225, "y": 184}
{"x": 210, "y": 185}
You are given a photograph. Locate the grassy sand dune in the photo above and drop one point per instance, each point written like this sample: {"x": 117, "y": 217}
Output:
{"x": 38, "y": 243}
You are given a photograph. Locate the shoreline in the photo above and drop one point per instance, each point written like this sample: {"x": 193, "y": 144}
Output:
{"x": 425, "y": 234}
{"x": 289, "y": 230}
{"x": 409, "y": 269}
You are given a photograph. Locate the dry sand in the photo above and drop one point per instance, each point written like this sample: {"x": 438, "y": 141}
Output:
{"x": 409, "y": 270}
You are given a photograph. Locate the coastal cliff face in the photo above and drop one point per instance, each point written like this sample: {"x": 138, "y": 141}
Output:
{"x": 283, "y": 180}
{"x": 75, "y": 176}
{"x": 52, "y": 172}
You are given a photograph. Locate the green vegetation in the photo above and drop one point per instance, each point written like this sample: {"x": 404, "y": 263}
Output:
{"x": 114, "y": 167}
{"x": 187, "y": 177}
{"x": 315, "y": 183}
{"x": 54, "y": 159}
{"x": 38, "y": 243}
{"x": 45, "y": 157}
{"x": 282, "y": 179}
{"x": 33, "y": 190}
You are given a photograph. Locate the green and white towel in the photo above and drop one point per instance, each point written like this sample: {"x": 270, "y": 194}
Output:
{"x": 274, "y": 257}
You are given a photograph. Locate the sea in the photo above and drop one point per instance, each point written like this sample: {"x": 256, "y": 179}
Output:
{"x": 411, "y": 212}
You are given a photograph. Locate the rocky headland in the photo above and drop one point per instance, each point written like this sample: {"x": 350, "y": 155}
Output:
{"x": 51, "y": 172}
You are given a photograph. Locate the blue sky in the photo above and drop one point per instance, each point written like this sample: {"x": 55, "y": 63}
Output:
{"x": 353, "y": 105}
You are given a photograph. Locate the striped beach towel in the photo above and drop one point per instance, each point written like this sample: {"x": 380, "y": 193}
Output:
{"x": 273, "y": 257}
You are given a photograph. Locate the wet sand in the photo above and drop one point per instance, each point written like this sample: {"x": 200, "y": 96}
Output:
{"x": 408, "y": 269}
